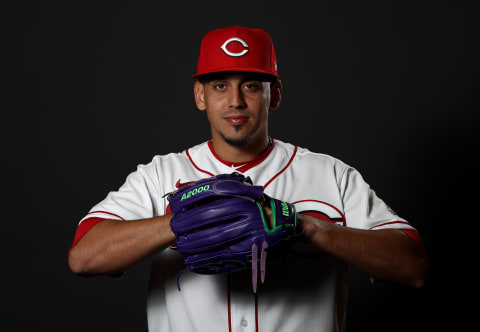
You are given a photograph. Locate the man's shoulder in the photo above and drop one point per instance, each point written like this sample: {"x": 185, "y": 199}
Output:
{"x": 181, "y": 154}
{"x": 306, "y": 155}
{"x": 172, "y": 159}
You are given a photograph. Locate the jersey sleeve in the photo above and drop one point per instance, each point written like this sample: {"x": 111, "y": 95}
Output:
{"x": 363, "y": 208}
{"x": 138, "y": 198}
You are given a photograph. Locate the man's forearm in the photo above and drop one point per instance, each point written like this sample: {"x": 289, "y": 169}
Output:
{"x": 387, "y": 255}
{"x": 113, "y": 245}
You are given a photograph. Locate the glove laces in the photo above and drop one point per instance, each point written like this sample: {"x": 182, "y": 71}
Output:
{"x": 263, "y": 263}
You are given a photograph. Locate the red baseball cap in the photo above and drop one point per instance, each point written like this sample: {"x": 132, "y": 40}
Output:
{"x": 237, "y": 48}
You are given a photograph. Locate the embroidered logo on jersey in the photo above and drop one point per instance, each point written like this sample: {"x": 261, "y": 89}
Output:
{"x": 237, "y": 167}
{"x": 233, "y": 54}
{"x": 179, "y": 185}
{"x": 320, "y": 210}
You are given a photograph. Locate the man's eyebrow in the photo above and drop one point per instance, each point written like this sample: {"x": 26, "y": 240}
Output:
{"x": 215, "y": 80}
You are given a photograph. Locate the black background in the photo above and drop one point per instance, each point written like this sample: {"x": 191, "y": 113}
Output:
{"x": 92, "y": 90}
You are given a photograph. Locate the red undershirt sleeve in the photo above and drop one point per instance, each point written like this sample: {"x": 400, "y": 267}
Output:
{"x": 83, "y": 229}
{"x": 415, "y": 237}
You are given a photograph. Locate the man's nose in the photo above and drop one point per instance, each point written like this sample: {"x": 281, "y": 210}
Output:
{"x": 236, "y": 98}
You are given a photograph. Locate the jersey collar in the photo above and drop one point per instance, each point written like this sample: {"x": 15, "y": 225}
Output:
{"x": 244, "y": 166}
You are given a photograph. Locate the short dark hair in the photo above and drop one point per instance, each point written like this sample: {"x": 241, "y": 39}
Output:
{"x": 205, "y": 78}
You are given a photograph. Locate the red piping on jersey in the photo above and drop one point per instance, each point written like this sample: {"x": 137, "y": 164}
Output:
{"x": 246, "y": 164}
{"x": 313, "y": 200}
{"x": 194, "y": 165}
{"x": 389, "y": 223}
{"x": 283, "y": 169}
{"x": 112, "y": 214}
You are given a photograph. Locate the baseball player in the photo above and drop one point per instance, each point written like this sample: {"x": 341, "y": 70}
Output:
{"x": 339, "y": 220}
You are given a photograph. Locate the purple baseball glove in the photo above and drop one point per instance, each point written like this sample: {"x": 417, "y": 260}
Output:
{"x": 221, "y": 227}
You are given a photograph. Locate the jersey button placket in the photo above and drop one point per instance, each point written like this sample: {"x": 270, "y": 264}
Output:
{"x": 242, "y": 304}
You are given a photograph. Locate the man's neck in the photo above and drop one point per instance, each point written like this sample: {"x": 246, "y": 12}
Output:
{"x": 237, "y": 154}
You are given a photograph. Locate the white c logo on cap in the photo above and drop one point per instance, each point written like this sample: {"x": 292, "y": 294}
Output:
{"x": 241, "y": 41}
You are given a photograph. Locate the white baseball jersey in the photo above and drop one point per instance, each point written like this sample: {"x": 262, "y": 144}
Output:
{"x": 307, "y": 291}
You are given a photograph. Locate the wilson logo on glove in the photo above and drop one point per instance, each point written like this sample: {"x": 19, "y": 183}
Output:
{"x": 285, "y": 209}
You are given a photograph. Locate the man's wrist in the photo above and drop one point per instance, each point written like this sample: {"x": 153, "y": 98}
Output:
{"x": 314, "y": 230}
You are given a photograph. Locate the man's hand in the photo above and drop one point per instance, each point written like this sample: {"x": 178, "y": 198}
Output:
{"x": 267, "y": 210}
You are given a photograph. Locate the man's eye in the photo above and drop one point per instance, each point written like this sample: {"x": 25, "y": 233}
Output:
{"x": 251, "y": 86}
{"x": 219, "y": 86}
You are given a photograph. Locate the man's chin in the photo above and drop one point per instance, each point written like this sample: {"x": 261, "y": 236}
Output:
{"x": 238, "y": 142}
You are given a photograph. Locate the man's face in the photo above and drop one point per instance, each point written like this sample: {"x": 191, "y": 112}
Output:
{"x": 237, "y": 106}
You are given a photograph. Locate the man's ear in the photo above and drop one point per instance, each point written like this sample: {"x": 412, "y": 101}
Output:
{"x": 199, "y": 94}
{"x": 275, "y": 95}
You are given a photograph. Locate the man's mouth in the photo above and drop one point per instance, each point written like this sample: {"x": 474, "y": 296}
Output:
{"x": 236, "y": 120}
